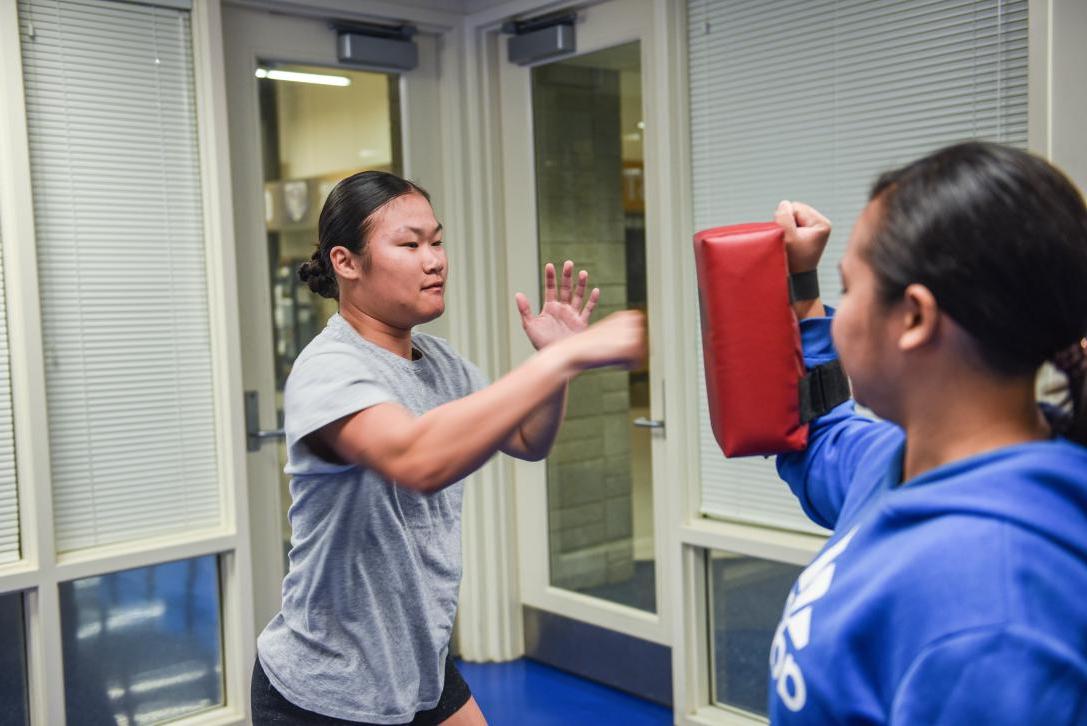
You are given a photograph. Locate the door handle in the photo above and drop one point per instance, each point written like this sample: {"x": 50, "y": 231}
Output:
{"x": 648, "y": 423}
{"x": 254, "y": 435}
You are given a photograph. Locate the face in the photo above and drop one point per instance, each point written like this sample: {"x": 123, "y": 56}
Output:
{"x": 403, "y": 282}
{"x": 865, "y": 330}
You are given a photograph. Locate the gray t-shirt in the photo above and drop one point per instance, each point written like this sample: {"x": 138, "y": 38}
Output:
{"x": 371, "y": 593}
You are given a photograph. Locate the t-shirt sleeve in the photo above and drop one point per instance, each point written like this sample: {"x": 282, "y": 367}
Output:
{"x": 993, "y": 676}
{"x": 838, "y": 441}
{"x": 322, "y": 388}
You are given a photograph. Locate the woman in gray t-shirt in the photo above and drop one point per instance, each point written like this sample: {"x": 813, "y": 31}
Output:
{"x": 382, "y": 427}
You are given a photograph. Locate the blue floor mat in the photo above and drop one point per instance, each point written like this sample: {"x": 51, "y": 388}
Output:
{"x": 526, "y": 693}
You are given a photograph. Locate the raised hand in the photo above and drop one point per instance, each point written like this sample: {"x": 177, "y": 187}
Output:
{"x": 565, "y": 310}
{"x": 806, "y": 234}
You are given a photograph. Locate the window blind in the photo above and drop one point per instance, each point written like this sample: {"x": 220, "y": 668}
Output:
{"x": 810, "y": 100}
{"x": 122, "y": 267}
{"x": 9, "y": 495}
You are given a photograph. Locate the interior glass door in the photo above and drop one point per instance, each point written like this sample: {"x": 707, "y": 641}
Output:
{"x": 576, "y": 155}
{"x": 590, "y": 201}
{"x": 318, "y": 126}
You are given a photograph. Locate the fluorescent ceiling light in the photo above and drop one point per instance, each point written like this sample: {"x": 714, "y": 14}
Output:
{"x": 297, "y": 77}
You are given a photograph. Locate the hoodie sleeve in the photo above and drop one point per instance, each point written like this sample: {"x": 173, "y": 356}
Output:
{"x": 837, "y": 441}
{"x": 993, "y": 676}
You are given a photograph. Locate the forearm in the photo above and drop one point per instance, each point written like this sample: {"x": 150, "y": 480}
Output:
{"x": 451, "y": 441}
{"x": 538, "y": 430}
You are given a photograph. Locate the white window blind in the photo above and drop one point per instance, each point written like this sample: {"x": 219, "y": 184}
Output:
{"x": 122, "y": 267}
{"x": 9, "y": 495}
{"x": 810, "y": 100}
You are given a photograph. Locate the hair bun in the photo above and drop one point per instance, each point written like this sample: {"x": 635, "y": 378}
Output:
{"x": 315, "y": 273}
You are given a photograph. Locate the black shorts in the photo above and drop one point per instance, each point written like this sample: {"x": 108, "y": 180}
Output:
{"x": 270, "y": 707}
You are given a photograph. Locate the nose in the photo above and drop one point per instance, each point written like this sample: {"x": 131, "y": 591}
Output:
{"x": 433, "y": 260}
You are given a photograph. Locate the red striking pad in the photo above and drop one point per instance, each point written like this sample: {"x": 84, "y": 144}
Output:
{"x": 750, "y": 340}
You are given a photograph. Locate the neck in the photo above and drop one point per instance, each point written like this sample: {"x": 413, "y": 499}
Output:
{"x": 966, "y": 416}
{"x": 393, "y": 339}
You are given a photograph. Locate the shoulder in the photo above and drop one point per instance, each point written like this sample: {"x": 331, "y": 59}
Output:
{"x": 328, "y": 353}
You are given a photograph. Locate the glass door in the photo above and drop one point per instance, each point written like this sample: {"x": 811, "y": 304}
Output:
{"x": 318, "y": 125}
{"x": 300, "y": 122}
{"x": 575, "y": 153}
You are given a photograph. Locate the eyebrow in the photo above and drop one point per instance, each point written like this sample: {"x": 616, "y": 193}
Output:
{"x": 422, "y": 232}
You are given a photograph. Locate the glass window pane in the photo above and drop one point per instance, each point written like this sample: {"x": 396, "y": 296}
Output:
{"x": 13, "y": 695}
{"x": 143, "y": 645}
{"x": 747, "y": 595}
{"x": 587, "y": 114}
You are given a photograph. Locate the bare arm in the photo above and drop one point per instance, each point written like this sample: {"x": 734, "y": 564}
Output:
{"x": 532, "y": 440}
{"x": 566, "y": 311}
{"x": 432, "y": 451}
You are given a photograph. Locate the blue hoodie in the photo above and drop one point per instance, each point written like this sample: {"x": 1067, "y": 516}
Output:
{"x": 959, "y": 597}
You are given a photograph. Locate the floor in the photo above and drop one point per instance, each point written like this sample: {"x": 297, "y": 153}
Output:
{"x": 526, "y": 693}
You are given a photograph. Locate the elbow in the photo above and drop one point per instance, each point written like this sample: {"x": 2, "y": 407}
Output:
{"x": 535, "y": 455}
{"x": 417, "y": 476}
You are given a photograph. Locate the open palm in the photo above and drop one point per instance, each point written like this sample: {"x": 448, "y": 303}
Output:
{"x": 565, "y": 311}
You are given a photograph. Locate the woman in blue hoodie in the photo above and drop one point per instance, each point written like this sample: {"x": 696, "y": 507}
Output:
{"x": 954, "y": 588}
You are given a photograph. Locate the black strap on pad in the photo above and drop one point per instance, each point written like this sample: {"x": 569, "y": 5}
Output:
{"x": 822, "y": 389}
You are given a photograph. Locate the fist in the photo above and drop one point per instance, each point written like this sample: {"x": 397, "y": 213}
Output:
{"x": 806, "y": 234}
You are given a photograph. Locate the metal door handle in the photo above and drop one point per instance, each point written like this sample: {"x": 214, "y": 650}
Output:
{"x": 648, "y": 423}
{"x": 254, "y": 435}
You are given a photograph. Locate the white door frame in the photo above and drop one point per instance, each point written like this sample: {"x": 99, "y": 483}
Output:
{"x": 254, "y": 32}
{"x": 599, "y": 26}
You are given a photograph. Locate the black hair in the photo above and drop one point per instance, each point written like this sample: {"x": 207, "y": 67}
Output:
{"x": 1000, "y": 238}
{"x": 346, "y": 220}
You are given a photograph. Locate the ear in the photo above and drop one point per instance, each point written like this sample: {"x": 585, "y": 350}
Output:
{"x": 345, "y": 263}
{"x": 921, "y": 318}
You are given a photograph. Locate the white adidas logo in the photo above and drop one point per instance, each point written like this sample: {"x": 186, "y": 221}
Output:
{"x": 796, "y": 621}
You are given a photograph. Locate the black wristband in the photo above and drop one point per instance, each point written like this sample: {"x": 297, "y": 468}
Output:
{"x": 804, "y": 286}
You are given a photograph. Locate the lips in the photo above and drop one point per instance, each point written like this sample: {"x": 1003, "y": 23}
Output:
{"x": 434, "y": 286}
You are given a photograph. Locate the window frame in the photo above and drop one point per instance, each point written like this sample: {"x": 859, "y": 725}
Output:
{"x": 40, "y": 570}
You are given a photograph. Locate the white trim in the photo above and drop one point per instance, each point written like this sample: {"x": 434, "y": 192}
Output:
{"x": 235, "y": 563}
{"x": 691, "y": 642}
{"x": 602, "y": 613}
{"x": 33, "y": 466}
{"x": 425, "y": 19}
{"x": 141, "y": 553}
{"x": 493, "y": 17}
{"x": 490, "y": 621}
{"x": 796, "y": 548}
{"x": 720, "y": 716}
{"x": 226, "y": 716}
